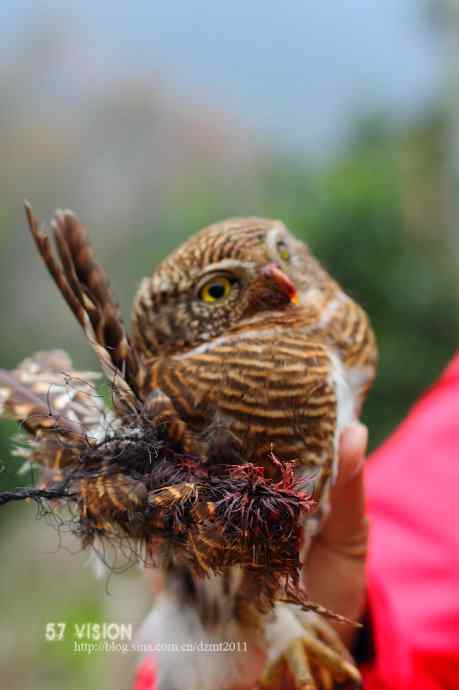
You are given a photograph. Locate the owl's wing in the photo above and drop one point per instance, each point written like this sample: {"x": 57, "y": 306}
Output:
{"x": 85, "y": 287}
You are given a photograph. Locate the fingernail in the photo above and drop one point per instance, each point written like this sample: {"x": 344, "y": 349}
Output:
{"x": 359, "y": 443}
{"x": 363, "y": 433}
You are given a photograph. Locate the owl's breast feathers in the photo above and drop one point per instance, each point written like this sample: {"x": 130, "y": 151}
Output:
{"x": 268, "y": 384}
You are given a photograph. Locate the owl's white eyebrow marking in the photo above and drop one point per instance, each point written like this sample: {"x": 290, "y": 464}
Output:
{"x": 228, "y": 265}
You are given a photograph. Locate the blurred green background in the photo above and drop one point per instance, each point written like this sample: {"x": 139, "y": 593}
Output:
{"x": 146, "y": 158}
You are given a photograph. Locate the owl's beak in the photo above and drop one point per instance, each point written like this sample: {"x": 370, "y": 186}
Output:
{"x": 281, "y": 281}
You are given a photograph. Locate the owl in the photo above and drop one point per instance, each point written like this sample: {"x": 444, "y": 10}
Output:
{"x": 252, "y": 350}
{"x": 242, "y": 351}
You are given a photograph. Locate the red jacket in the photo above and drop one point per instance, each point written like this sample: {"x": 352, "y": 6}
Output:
{"x": 412, "y": 485}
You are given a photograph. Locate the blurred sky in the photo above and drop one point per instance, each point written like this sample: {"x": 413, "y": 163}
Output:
{"x": 296, "y": 72}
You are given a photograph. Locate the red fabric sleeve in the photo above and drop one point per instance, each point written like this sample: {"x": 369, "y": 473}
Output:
{"x": 412, "y": 485}
{"x": 146, "y": 675}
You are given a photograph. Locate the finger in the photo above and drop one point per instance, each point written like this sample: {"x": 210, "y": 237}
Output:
{"x": 346, "y": 523}
{"x": 352, "y": 449}
{"x": 340, "y": 548}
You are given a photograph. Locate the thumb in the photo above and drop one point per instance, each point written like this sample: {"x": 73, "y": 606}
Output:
{"x": 346, "y": 524}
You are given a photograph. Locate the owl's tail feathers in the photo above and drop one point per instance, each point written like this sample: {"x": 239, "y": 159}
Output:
{"x": 86, "y": 288}
{"x": 59, "y": 407}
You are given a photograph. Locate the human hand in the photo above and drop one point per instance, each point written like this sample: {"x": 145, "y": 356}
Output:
{"x": 335, "y": 564}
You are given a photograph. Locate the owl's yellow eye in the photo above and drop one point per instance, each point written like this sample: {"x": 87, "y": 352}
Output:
{"x": 283, "y": 251}
{"x": 215, "y": 290}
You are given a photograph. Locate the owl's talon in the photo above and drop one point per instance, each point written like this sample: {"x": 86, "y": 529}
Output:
{"x": 298, "y": 666}
{"x": 326, "y": 678}
{"x": 326, "y": 633}
{"x": 326, "y": 645}
{"x": 273, "y": 675}
{"x": 318, "y": 660}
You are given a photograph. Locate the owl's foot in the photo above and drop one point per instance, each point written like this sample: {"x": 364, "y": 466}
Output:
{"x": 316, "y": 661}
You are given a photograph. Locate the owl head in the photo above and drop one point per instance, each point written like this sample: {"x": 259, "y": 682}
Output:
{"x": 226, "y": 273}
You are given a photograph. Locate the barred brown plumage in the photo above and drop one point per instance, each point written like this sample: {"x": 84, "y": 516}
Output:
{"x": 243, "y": 350}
